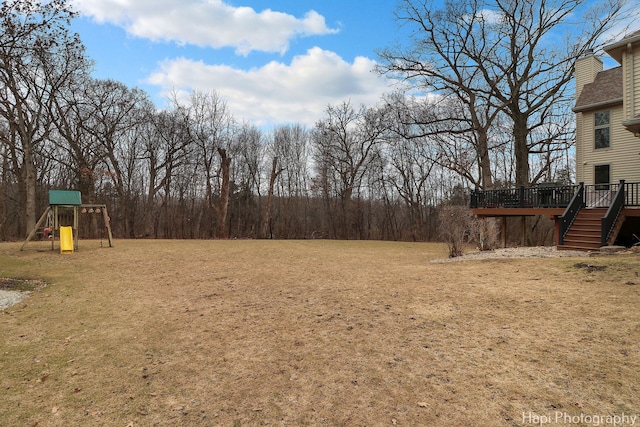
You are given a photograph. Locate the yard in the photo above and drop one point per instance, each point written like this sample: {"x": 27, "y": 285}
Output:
{"x": 336, "y": 333}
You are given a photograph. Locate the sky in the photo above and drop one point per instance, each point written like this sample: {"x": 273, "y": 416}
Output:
{"x": 273, "y": 62}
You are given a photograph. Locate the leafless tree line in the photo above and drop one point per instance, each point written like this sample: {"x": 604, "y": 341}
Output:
{"x": 362, "y": 172}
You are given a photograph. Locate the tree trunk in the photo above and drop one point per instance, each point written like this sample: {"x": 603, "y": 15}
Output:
{"x": 225, "y": 164}
{"x": 30, "y": 189}
{"x": 266, "y": 233}
{"x": 346, "y": 211}
{"x": 484, "y": 161}
{"x": 521, "y": 149}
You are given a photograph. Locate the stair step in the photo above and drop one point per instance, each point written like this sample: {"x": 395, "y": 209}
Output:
{"x": 588, "y": 231}
{"x": 582, "y": 244}
{"x": 590, "y": 213}
{"x": 586, "y": 237}
{"x": 582, "y": 239}
{"x": 585, "y": 232}
{"x": 582, "y": 228}
{"x": 583, "y": 236}
{"x": 576, "y": 248}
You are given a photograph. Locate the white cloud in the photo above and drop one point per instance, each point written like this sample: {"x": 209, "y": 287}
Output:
{"x": 276, "y": 92}
{"x": 624, "y": 26}
{"x": 207, "y": 23}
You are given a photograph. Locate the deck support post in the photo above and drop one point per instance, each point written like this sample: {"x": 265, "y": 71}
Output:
{"x": 556, "y": 234}
{"x": 504, "y": 232}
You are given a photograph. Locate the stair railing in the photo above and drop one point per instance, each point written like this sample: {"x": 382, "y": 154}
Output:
{"x": 611, "y": 217}
{"x": 571, "y": 212}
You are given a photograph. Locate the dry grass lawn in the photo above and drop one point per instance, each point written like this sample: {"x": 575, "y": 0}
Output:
{"x": 295, "y": 333}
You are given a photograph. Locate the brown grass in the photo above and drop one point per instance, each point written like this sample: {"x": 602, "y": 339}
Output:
{"x": 203, "y": 333}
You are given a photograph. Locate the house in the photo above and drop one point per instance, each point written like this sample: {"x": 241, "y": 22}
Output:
{"x": 604, "y": 209}
{"x": 608, "y": 115}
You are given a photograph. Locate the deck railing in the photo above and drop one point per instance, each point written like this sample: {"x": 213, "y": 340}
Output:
{"x": 602, "y": 195}
{"x": 570, "y": 214}
{"x": 610, "y": 218}
{"x": 632, "y": 193}
{"x": 541, "y": 196}
{"x": 549, "y": 195}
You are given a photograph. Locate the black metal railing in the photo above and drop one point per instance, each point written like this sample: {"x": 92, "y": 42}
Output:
{"x": 547, "y": 195}
{"x": 602, "y": 195}
{"x": 632, "y": 194}
{"x": 570, "y": 214}
{"x": 599, "y": 195}
{"x": 608, "y": 221}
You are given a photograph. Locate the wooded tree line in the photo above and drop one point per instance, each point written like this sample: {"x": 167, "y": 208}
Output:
{"x": 487, "y": 105}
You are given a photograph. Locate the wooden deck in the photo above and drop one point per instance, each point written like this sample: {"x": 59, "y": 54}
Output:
{"x": 503, "y": 212}
{"x": 614, "y": 203}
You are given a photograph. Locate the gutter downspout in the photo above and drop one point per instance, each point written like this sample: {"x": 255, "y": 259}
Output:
{"x": 631, "y": 59}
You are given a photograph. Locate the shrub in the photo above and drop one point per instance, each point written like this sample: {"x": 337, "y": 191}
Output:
{"x": 458, "y": 227}
{"x": 487, "y": 233}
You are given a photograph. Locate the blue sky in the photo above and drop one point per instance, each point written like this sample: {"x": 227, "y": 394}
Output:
{"x": 272, "y": 61}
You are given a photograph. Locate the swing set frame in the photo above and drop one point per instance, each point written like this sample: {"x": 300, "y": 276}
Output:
{"x": 64, "y": 210}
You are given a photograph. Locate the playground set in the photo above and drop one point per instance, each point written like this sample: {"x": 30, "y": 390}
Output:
{"x": 61, "y": 219}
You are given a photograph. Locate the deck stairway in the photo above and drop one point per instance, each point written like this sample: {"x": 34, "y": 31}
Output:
{"x": 585, "y": 234}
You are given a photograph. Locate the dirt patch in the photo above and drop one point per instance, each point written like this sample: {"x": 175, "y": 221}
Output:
{"x": 14, "y": 291}
{"x": 22, "y": 285}
{"x": 590, "y": 268}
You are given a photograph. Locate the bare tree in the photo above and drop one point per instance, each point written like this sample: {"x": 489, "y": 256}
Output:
{"x": 211, "y": 127}
{"x": 513, "y": 57}
{"x": 38, "y": 55}
{"x": 276, "y": 170}
{"x": 345, "y": 145}
{"x": 440, "y": 62}
{"x": 166, "y": 148}
{"x": 411, "y": 162}
{"x": 535, "y": 53}
{"x": 116, "y": 113}
{"x": 286, "y": 161}
{"x": 78, "y": 150}
{"x": 444, "y": 123}
{"x": 246, "y": 180}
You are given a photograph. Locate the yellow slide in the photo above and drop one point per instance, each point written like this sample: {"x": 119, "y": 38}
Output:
{"x": 66, "y": 240}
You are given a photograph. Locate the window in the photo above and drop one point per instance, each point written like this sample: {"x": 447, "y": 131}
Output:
{"x": 602, "y": 177}
{"x": 602, "y": 120}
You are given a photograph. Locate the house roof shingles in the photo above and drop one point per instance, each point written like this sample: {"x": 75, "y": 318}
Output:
{"x": 605, "y": 90}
